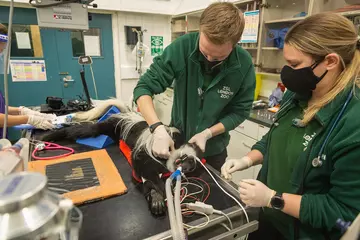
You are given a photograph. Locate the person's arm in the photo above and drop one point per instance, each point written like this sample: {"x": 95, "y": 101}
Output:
{"x": 146, "y": 106}
{"x": 13, "y": 120}
{"x": 14, "y": 110}
{"x": 160, "y": 75}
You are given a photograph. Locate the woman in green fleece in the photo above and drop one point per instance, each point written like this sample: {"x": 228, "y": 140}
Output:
{"x": 307, "y": 182}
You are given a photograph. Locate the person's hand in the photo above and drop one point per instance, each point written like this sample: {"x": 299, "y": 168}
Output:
{"x": 40, "y": 122}
{"x": 200, "y": 139}
{"x": 28, "y": 112}
{"x": 162, "y": 143}
{"x": 232, "y": 165}
{"x": 254, "y": 193}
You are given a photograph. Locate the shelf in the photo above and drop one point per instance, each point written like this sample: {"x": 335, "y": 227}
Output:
{"x": 193, "y": 30}
{"x": 271, "y": 48}
{"x": 350, "y": 13}
{"x": 250, "y": 48}
{"x": 269, "y": 74}
{"x": 177, "y": 32}
{"x": 285, "y": 20}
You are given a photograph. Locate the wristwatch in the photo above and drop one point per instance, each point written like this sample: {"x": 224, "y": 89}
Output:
{"x": 154, "y": 126}
{"x": 277, "y": 201}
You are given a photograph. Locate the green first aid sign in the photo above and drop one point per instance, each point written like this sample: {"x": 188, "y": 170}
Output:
{"x": 157, "y": 45}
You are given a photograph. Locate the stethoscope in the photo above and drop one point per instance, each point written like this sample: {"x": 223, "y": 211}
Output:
{"x": 317, "y": 162}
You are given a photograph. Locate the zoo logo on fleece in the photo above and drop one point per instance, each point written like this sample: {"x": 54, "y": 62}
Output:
{"x": 225, "y": 92}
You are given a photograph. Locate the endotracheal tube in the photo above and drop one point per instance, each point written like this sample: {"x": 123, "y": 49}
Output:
{"x": 174, "y": 210}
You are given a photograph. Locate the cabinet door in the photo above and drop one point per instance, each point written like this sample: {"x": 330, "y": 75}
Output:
{"x": 238, "y": 147}
{"x": 262, "y": 131}
{"x": 248, "y": 128}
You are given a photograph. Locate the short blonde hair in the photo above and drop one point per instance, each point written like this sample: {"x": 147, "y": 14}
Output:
{"x": 222, "y": 22}
{"x": 3, "y": 29}
{"x": 320, "y": 35}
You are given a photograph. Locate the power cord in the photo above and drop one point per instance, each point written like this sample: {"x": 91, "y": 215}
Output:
{"x": 207, "y": 209}
{"x": 241, "y": 206}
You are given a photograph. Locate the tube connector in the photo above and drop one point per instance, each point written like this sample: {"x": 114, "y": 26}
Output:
{"x": 176, "y": 173}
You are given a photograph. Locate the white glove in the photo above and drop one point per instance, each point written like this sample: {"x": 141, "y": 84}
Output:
{"x": 162, "y": 143}
{"x": 232, "y": 165}
{"x": 40, "y": 122}
{"x": 254, "y": 193}
{"x": 200, "y": 139}
{"x": 28, "y": 112}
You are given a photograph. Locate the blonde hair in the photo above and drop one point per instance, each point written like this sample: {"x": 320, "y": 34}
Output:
{"x": 320, "y": 35}
{"x": 3, "y": 29}
{"x": 222, "y": 22}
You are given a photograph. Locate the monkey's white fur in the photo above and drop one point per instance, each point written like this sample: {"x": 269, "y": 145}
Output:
{"x": 127, "y": 120}
{"x": 99, "y": 110}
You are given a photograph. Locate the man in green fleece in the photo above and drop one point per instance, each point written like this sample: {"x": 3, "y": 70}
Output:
{"x": 214, "y": 82}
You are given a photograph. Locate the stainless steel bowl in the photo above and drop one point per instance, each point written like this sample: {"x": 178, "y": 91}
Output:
{"x": 29, "y": 211}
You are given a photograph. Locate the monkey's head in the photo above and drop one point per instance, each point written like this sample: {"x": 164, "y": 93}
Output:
{"x": 185, "y": 157}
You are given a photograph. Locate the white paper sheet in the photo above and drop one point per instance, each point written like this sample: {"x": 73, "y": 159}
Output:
{"x": 92, "y": 45}
{"x": 23, "y": 40}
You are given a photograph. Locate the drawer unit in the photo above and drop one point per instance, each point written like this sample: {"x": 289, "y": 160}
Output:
{"x": 262, "y": 130}
{"x": 249, "y": 129}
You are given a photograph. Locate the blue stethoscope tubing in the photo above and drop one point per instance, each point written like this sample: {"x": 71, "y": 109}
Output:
{"x": 317, "y": 162}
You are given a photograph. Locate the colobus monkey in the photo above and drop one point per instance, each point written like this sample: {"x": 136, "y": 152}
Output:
{"x": 134, "y": 131}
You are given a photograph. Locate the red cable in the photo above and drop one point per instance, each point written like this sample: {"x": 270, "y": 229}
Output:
{"x": 208, "y": 186}
{"x": 52, "y": 146}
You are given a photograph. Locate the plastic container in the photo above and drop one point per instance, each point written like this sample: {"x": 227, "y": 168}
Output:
{"x": 258, "y": 86}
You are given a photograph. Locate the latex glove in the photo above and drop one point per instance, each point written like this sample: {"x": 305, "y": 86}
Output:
{"x": 232, "y": 165}
{"x": 28, "y": 112}
{"x": 200, "y": 139}
{"x": 254, "y": 193}
{"x": 40, "y": 122}
{"x": 162, "y": 143}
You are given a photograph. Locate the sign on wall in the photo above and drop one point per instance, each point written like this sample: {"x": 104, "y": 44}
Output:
{"x": 250, "y": 34}
{"x": 28, "y": 70}
{"x": 157, "y": 45}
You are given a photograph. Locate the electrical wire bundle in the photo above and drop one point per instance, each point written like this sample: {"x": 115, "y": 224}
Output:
{"x": 194, "y": 193}
{"x": 194, "y": 189}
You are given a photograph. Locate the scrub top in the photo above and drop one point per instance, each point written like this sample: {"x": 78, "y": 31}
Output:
{"x": 2, "y": 110}
{"x": 286, "y": 143}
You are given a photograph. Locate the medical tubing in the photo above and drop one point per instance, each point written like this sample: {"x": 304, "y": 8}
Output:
{"x": 171, "y": 210}
{"x": 6, "y": 67}
{"x": 178, "y": 212}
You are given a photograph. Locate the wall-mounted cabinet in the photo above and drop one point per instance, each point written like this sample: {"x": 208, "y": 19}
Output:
{"x": 276, "y": 17}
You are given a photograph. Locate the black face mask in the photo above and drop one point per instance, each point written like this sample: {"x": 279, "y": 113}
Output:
{"x": 211, "y": 64}
{"x": 302, "y": 81}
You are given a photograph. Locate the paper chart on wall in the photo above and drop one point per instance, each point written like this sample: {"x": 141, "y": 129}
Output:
{"x": 28, "y": 70}
{"x": 250, "y": 34}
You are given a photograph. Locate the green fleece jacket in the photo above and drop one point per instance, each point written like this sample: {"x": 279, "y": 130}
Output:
{"x": 332, "y": 191}
{"x": 228, "y": 98}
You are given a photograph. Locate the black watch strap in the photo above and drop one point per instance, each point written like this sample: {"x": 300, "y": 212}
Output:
{"x": 277, "y": 201}
{"x": 154, "y": 126}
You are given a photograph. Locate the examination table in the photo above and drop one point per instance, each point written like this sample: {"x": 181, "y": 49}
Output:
{"x": 128, "y": 217}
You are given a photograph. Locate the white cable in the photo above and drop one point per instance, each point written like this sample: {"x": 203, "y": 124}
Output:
{"x": 224, "y": 225}
{"x": 191, "y": 194}
{"x": 200, "y": 225}
{"x": 241, "y": 206}
{"x": 225, "y": 215}
{"x": 6, "y": 67}
{"x": 92, "y": 73}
